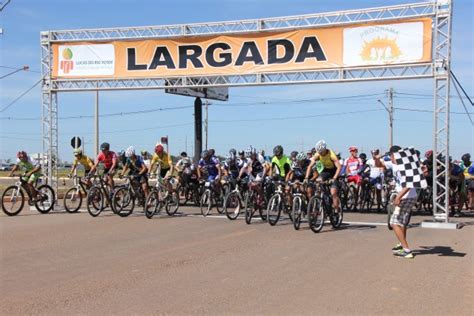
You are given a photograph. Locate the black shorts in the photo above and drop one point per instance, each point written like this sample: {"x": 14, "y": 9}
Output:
{"x": 106, "y": 171}
{"x": 163, "y": 172}
{"x": 327, "y": 174}
{"x": 470, "y": 184}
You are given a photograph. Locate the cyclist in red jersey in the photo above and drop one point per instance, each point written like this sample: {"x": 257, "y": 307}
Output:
{"x": 109, "y": 159}
{"x": 353, "y": 164}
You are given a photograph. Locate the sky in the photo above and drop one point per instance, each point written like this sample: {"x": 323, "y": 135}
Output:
{"x": 258, "y": 116}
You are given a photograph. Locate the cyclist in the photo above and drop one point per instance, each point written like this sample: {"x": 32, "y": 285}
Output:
{"x": 293, "y": 158}
{"x": 162, "y": 158}
{"x": 30, "y": 172}
{"x": 109, "y": 159}
{"x": 331, "y": 170}
{"x": 468, "y": 168}
{"x": 281, "y": 164}
{"x": 427, "y": 167}
{"x": 86, "y": 162}
{"x": 298, "y": 172}
{"x": 352, "y": 166}
{"x": 185, "y": 168}
{"x": 456, "y": 185}
{"x": 231, "y": 168}
{"x": 376, "y": 175}
{"x": 137, "y": 168}
{"x": 254, "y": 170}
{"x": 210, "y": 166}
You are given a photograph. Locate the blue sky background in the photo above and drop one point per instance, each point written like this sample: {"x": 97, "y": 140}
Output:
{"x": 243, "y": 120}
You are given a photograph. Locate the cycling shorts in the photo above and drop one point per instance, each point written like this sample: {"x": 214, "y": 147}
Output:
{"x": 107, "y": 171}
{"x": 470, "y": 184}
{"x": 357, "y": 179}
{"x": 327, "y": 174}
{"x": 163, "y": 172}
{"x": 377, "y": 182}
{"x": 141, "y": 178}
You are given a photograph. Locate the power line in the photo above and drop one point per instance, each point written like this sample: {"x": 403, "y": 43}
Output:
{"x": 456, "y": 84}
{"x": 24, "y": 68}
{"x": 29, "y": 70}
{"x": 428, "y": 111}
{"x": 460, "y": 86}
{"x": 21, "y": 95}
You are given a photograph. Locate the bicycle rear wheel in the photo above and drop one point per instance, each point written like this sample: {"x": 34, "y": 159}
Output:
{"x": 73, "y": 200}
{"x": 297, "y": 211}
{"x": 232, "y": 205}
{"x": 13, "y": 200}
{"x": 95, "y": 201}
{"x": 274, "y": 210}
{"x": 249, "y": 206}
{"x": 45, "y": 203}
{"x": 315, "y": 212}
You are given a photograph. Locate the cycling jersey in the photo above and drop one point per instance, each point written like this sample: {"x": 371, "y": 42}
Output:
{"x": 375, "y": 172}
{"x": 85, "y": 161}
{"x": 281, "y": 166}
{"x": 353, "y": 165}
{"x": 255, "y": 166}
{"x": 183, "y": 163}
{"x": 233, "y": 167}
{"x": 210, "y": 166}
{"x": 108, "y": 160}
{"x": 134, "y": 166}
{"x": 164, "y": 160}
{"x": 466, "y": 169}
{"x": 327, "y": 160}
{"x": 456, "y": 170}
{"x": 299, "y": 171}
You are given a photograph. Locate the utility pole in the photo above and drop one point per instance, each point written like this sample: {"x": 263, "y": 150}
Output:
{"x": 197, "y": 129}
{"x": 389, "y": 110}
{"x": 96, "y": 125}
{"x": 206, "y": 121}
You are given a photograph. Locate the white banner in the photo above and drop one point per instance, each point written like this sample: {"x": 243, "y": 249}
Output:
{"x": 383, "y": 44}
{"x": 86, "y": 60}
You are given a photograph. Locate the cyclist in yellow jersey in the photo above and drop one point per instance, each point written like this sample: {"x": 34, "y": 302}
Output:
{"x": 80, "y": 158}
{"x": 162, "y": 158}
{"x": 332, "y": 168}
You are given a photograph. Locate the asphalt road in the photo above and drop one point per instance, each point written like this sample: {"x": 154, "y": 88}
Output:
{"x": 75, "y": 264}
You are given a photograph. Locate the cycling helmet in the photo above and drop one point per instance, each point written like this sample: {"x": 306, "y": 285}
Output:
{"x": 144, "y": 153}
{"x": 320, "y": 146}
{"x": 159, "y": 148}
{"x": 466, "y": 158}
{"x": 21, "y": 154}
{"x": 204, "y": 154}
{"x": 232, "y": 151}
{"x": 105, "y": 146}
{"x": 338, "y": 155}
{"x": 293, "y": 154}
{"x": 278, "y": 150}
{"x": 301, "y": 156}
{"x": 429, "y": 154}
{"x": 212, "y": 152}
{"x": 353, "y": 148}
{"x": 130, "y": 152}
{"x": 375, "y": 151}
{"x": 121, "y": 153}
{"x": 229, "y": 157}
{"x": 77, "y": 152}
{"x": 250, "y": 151}
{"x": 241, "y": 152}
{"x": 184, "y": 154}
{"x": 363, "y": 156}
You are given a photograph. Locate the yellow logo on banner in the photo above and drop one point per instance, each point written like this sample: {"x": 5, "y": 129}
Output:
{"x": 67, "y": 54}
{"x": 67, "y": 64}
{"x": 381, "y": 49}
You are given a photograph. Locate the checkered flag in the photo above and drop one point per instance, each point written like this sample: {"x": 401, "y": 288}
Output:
{"x": 409, "y": 166}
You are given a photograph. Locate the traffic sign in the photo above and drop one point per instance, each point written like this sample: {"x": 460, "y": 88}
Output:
{"x": 164, "y": 140}
{"x": 76, "y": 142}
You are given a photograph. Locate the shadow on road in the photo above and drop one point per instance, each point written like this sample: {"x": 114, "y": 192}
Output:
{"x": 441, "y": 251}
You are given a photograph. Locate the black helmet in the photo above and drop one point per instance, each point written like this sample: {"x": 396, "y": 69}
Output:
{"x": 363, "y": 156}
{"x": 278, "y": 150}
{"x": 466, "y": 157}
{"x": 105, "y": 146}
{"x": 204, "y": 153}
{"x": 232, "y": 151}
{"x": 184, "y": 154}
{"x": 294, "y": 153}
{"x": 241, "y": 152}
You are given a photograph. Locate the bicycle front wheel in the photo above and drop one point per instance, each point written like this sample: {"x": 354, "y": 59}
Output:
{"x": 123, "y": 202}
{"x": 315, "y": 214}
{"x": 172, "y": 204}
{"x": 45, "y": 203}
{"x": 297, "y": 211}
{"x": 95, "y": 201}
{"x": 13, "y": 200}
{"x": 274, "y": 210}
{"x": 206, "y": 203}
{"x": 73, "y": 200}
{"x": 232, "y": 205}
{"x": 153, "y": 204}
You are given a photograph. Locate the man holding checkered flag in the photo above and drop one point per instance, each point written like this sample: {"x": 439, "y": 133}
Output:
{"x": 406, "y": 168}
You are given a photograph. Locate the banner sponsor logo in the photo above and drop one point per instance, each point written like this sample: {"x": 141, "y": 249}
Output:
{"x": 87, "y": 60}
{"x": 383, "y": 44}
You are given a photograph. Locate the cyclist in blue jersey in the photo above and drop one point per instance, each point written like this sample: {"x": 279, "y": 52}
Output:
{"x": 136, "y": 167}
{"x": 210, "y": 166}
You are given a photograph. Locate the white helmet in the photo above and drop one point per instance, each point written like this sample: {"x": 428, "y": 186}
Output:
{"x": 250, "y": 151}
{"x": 130, "y": 152}
{"x": 320, "y": 146}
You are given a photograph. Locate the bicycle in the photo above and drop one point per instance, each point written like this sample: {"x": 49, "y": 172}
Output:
{"x": 73, "y": 197}
{"x": 99, "y": 197}
{"x": 233, "y": 201}
{"x": 367, "y": 195}
{"x": 210, "y": 198}
{"x": 125, "y": 197}
{"x": 13, "y": 198}
{"x": 255, "y": 200}
{"x": 299, "y": 203}
{"x": 320, "y": 208}
{"x": 162, "y": 195}
{"x": 277, "y": 204}
{"x": 348, "y": 193}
